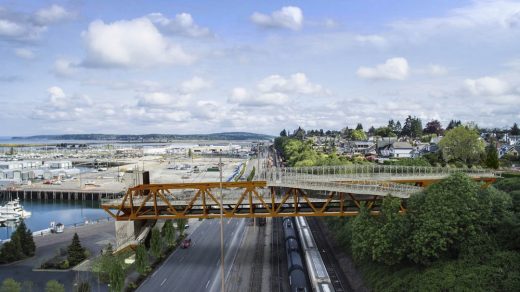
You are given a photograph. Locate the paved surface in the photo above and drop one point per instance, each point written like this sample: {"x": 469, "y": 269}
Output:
{"x": 198, "y": 267}
{"x": 93, "y": 237}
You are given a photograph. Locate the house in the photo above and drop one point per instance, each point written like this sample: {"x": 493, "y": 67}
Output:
{"x": 397, "y": 150}
{"x": 511, "y": 139}
{"x": 359, "y": 147}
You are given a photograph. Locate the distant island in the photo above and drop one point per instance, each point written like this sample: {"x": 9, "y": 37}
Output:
{"x": 151, "y": 137}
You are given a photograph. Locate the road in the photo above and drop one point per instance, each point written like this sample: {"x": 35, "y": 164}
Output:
{"x": 198, "y": 267}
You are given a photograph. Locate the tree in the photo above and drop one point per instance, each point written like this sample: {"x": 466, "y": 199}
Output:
{"x": 299, "y": 134}
{"x": 416, "y": 127}
{"x": 515, "y": 131}
{"x": 156, "y": 243}
{"x": 492, "y": 156}
{"x": 453, "y": 124}
{"x": 358, "y": 135}
{"x": 141, "y": 260}
{"x": 407, "y": 128}
{"x": 283, "y": 133}
{"x": 359, "y": 127}
{"x": 12, "y": 250}
{"x": 26, "y": 239}
{"x": 433, "y": 127}
{"x": 372, "y": 130}
{"x": 384, "y": 132}
{"x": 168, "y": 233}
{"x": 10, "y": 285}
{"x": 461, "y": 144}
{"x": 75, "y": 252}
{"x": 181, "y": 226}
{"x": 444, "y": 216}
{"x": 117, "y": 276}
{"x": 397, "y": 129}
{"x": 190, "y": 153}
{"x": 54, "y": 286}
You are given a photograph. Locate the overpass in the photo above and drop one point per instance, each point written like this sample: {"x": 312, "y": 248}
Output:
{"x": 281, "y": 192}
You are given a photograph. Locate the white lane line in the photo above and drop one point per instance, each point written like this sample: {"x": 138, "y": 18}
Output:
{"x": 207, "y": 284}
{"x": 162, "y": 283}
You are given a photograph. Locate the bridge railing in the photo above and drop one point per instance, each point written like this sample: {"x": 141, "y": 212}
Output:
{"x": 370, "y": 171}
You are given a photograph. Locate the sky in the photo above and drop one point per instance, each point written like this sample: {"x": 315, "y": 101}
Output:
{"x": 179, "y": 67}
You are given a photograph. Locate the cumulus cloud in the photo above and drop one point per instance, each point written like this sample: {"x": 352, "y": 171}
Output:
{"x": 130, "y": 43}
{"x": 487, "y": 86}
{"x": 64, "y": 68}
{"x": 161, "y": 100}
{"x": 275, "y": 90}
{"x": 62, "y": 107}
{"x": 393, "y": 69}
{"x": 52, "y": 14}
{"x": 182, "y": 24}
{"x": 194, "y": 84}
{"x": 24, "y": 53}
{"x": 289, "y": 17}
{"x": 21, "y": 26}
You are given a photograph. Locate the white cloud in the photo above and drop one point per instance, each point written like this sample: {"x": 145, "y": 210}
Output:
{"x": 289, "y": 17}
{"x": 130, "y": 43}
{"x": 276, "y": 90}
{"x": 24, "y": 53}
{"x": 182, "y": 24}
{"x": 161, "y": 100}
{"x": 64, "y": 68}
{"x": 373, "y": 39}
{"x": 296, "y": 83}
{"x": 194, "y": 84}
{"x": 437, "y": 70}
{"x": 52, "y": 14}
{"x": 394, "y": 69}
{"x": 486, "y": 86}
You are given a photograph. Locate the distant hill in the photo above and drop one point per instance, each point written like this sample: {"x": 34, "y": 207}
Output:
{"x": 152, "y": 137}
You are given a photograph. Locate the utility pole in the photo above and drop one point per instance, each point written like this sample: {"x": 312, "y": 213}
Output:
{"x": 222, "y": 276}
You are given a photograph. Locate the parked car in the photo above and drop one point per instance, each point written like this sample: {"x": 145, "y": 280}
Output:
{"x": 186, "y": 243}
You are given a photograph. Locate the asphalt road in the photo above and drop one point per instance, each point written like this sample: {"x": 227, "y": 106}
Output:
{"x": 198, "y": 267}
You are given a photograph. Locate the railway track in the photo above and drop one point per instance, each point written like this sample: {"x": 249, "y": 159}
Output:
{"x": 276, "y": 257}
{"x": 339, "y": 281}
{"x": 255, "y": 283}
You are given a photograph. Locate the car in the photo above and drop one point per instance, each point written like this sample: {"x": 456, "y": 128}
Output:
{"x": 186, "y": 226}
{"x": 186, "y": 243}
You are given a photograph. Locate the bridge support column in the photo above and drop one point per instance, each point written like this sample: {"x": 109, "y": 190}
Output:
{"x": 127, "y": 231}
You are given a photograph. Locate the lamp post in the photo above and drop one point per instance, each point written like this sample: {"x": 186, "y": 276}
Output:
{"x": 222, "y": 276}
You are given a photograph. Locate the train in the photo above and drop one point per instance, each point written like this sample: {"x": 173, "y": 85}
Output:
{"x": 297, "y": 279}
{"x": 318, "y": 275}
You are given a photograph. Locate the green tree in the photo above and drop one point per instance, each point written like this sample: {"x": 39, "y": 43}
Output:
{"x": 359, "y": 127}
{"x": 433, "y": 127}
{"x": 12, "y": 250}
{"x": 26, "y": 239}
{"x": 181, "y": 225}
{"x": 141, "y": 260}
{"x": 442, "y": 218}
{"x": 116, "y": 276}
{"x": 283, "y": 133}
{"x": 462, "y": 144}
{"x": 358, "y": 135}
{"x": 10, "y": 285}
{"x": 492, "y": 156}
{"x": 54, "y": 286}
{"x": 156, "y": 243}
{"x": 75, "y": 252}
{"x": 385, "y": 132}
{"x": 416, "y": 130}
{"x": 168, "y": 233}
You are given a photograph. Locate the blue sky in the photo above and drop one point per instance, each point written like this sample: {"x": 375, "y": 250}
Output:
{"x": 260, "y": 66}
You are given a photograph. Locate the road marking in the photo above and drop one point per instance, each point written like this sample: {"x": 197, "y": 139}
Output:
{"x": 163, "y": 281}
{"x": 207, "y": 284}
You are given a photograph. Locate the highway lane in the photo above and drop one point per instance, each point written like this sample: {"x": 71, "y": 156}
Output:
{"x": 198, "y": 267}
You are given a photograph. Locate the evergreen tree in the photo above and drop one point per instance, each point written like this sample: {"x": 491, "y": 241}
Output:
{"x": 398, "y": 128}
{"x": 168, "y": 233}
{"x": 372, "y": 130}
{"x": 492, "y": 155}
{"x": 416, "y": 127}
{"x": 453, "y": 124}
{"x": 12, "y": 250}
{"x": 141, "y": 260}
{"x": 283, "y": 133}
{"x": 299, "y": 134}
{"x": 10, "y": 285}
{"x": 359, "y": 127}
{"x": 181, "y": 224}
{"x": 156, "y": 243}
{"x": 26, "y": 239}
{"x": 515, "y": 131}
{"x": 54, "y": 286}
{"x": 391, "y": 125}
{"x": 407, "y": 128}
{"x": 75, "y": 252}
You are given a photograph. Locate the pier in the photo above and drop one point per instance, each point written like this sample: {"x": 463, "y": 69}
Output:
{"x": 64, "y": 195}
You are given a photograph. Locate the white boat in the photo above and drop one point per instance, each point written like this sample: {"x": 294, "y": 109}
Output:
{"x": 15, "y": 209}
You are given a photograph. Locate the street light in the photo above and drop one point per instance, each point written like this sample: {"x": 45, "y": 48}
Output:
{"x": 222, "y": 277}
